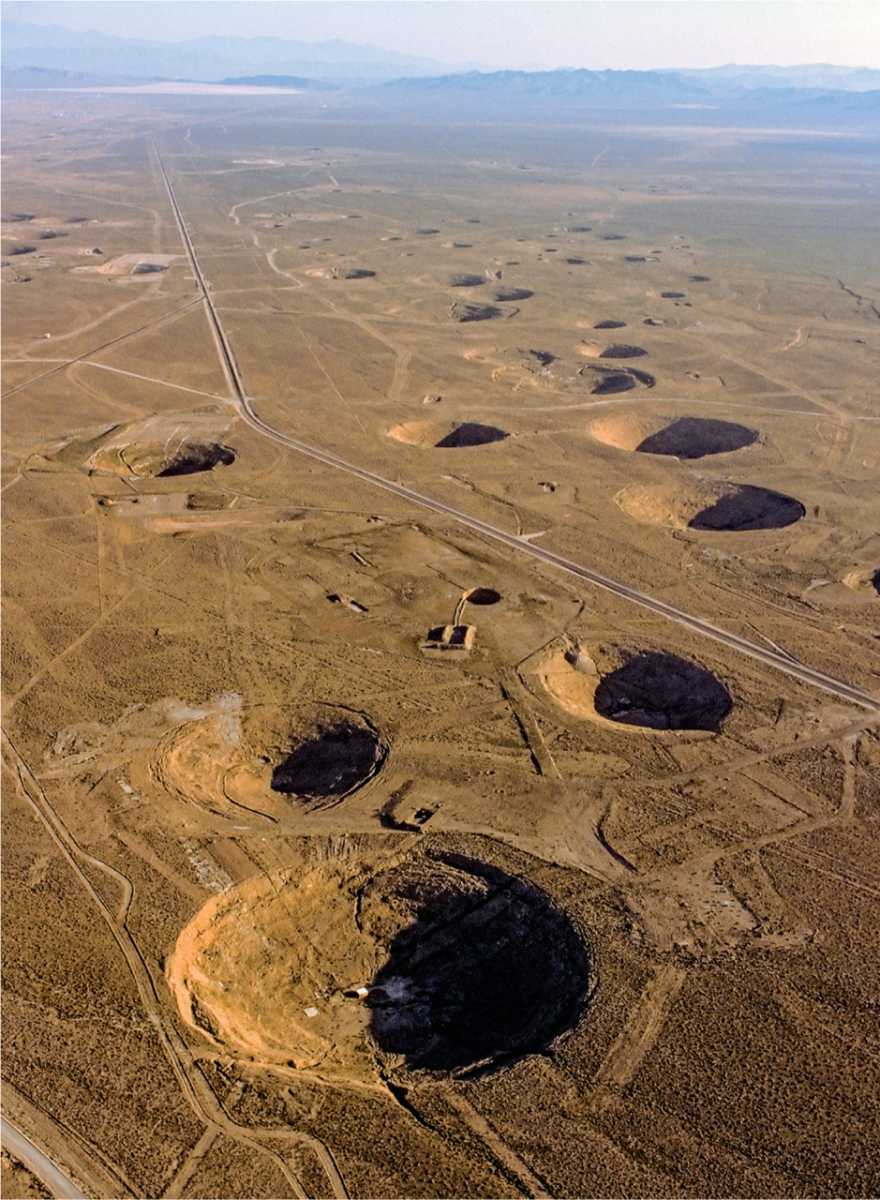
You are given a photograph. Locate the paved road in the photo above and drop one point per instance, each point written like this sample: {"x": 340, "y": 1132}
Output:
{"x": 35, "y": 1160}
{"x": 768, "y": 657}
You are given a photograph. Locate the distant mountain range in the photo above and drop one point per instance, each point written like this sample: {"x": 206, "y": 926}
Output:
{"x": 26, "y": 45}
{"x": 750, "y": 86}
{"x": 46, "y": 56}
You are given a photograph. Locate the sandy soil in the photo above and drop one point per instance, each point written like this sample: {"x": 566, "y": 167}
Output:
{"x": 609, "y": 885}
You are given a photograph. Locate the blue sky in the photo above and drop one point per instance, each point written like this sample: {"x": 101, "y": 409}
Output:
{"x": 501, "y": 33}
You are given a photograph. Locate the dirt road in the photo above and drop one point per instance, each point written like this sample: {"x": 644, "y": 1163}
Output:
{"x": 22, "y": 1148}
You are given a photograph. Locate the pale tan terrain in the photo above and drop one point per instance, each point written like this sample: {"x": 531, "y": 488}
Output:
{"x": 350, "y": 851}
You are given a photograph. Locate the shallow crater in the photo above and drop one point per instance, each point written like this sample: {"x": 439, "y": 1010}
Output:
{"x": 711, "y": 505}
{"x": 662, "y": 691}
{"x": 682, "y": 437}
{"x": 332, "y": 763}
{"x": 438, "y": 965}
{"x": 482, "y": 596}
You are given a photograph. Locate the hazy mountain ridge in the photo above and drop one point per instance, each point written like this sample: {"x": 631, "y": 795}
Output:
{"x": 53, "y": 47}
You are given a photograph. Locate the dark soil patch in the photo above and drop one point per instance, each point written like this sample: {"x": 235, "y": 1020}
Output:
{"x": 467, "y": 311}
{"x": 471, "y": 433}
{"x": 330, "y": 764}
{"x": 747, "y": 508}
{"x": 695, "y": 437}
{"x": 621, "y": 350}
{"x": 194, "y": 457}
{"x": 489, "y": 969}
{"x": 464, "y": 280}
{"x": 511, "y": 293}
{"x": 663, "y": 691}
{"x": 610, "y": 325}
{"x": 483, "y": 596}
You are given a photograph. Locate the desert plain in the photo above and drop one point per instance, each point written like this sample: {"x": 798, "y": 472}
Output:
{"x": 351, "y": 847}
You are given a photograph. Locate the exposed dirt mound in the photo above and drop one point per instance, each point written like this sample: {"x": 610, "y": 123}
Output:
{"x": 340, "y": 966}
{"x": 464, "y": 310}
{"x": 445, "y": 436}
{"x": 610, "y": 325}
{"x": 512, "y": 293}
{"x": 482, "y": 595}
{"x": 331, "y": 764}
{"x": 465, "y": 280}
{"x": 590, "y": 349}
{"x": 710, "y": 505}
{"x": 685, "y": 437}
{"x": 622, "y": 350}
{"x": 662, "y": 691}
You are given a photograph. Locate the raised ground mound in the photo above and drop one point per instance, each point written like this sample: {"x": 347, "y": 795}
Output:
{"x": 710, "y": 505}
{"x": 648, "y": 690}
{"x": 462, "y": 279}
{"x": 443, "y": 436}
{"x": 440, "y": 964}
{"x": 684, "y": 437}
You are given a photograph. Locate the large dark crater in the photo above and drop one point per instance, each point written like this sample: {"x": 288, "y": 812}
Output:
{"x": 695, "y": 437}
{"x": 489, "y": 969}
{"x": 747, "y": 506}
{"x": 662, "y": 691}
{"x": 331, "y": 763}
